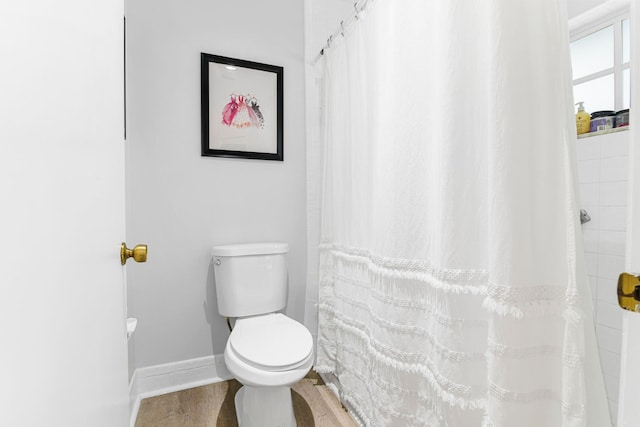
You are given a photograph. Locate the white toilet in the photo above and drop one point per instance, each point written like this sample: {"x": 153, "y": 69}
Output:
{"x": 267, "y": 352}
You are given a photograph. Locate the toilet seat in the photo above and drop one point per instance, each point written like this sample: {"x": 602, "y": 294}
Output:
{"x": 271, "y": 342}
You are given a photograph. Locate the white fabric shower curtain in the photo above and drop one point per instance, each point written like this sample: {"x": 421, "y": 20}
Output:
{"x": 452, "y": 290}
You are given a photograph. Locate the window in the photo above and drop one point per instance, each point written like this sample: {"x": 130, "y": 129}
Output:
{"x": 600, "y": 59}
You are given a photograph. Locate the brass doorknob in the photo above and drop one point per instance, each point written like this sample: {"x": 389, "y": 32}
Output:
{"x": 629, "y": 292}
{"x": 138, "y": 253}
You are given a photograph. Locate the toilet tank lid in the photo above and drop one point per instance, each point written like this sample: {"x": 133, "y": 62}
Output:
{"x": 250, "y": 249}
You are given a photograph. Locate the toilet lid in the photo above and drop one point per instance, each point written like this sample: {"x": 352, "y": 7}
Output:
{"x": 271, "y": 342}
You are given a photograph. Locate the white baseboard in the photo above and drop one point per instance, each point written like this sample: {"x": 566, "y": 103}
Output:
{"x": 175, "y": 376}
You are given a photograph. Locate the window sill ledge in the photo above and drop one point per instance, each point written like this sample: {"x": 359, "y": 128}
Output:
{"x": 603, "y": 132}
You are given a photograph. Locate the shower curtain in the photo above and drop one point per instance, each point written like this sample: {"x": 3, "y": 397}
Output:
{"x": 451, "y": 288}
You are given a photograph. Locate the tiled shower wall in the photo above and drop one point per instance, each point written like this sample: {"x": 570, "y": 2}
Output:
{"x": 602, "y": 172}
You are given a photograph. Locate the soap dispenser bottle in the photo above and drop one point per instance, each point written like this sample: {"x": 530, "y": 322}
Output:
{"x": 583, "y": 119}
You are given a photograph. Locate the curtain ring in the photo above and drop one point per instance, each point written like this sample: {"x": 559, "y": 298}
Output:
{"x": 342, "y": 28}
{"x": 355, "y": 6}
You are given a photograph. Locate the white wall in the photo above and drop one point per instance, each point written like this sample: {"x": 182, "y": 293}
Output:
{"x": 180, "y": 203}
{"x": 603, "y": 175}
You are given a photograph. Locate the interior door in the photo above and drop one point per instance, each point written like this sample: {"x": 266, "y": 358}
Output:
{"x": 630, "y": 366}
{"x": 63, "y": 354}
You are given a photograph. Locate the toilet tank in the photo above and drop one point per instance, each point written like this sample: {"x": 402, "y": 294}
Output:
{"x": 250, "y": 278}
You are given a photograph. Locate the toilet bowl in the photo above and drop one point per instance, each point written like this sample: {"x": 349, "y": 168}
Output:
{"x": 267, "y": 354}
{"x": 269, "y": 350}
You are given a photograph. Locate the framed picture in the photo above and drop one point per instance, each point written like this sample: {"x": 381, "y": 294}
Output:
{"x": 241, "y": 105}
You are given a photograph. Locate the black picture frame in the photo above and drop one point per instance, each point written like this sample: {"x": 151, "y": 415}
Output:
{"x": 241, "y": 108}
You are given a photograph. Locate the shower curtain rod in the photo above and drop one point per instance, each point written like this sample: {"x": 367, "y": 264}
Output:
{"x": 343, "y": 24}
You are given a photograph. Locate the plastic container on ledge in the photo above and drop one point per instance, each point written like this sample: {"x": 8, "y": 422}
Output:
{"x": 582, "y": 119}
{"x": 602, "y": 120}
{"x": 622, "y": 118}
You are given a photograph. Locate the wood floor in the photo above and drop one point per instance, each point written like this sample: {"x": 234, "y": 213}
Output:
{"x": 212, "y": 405}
